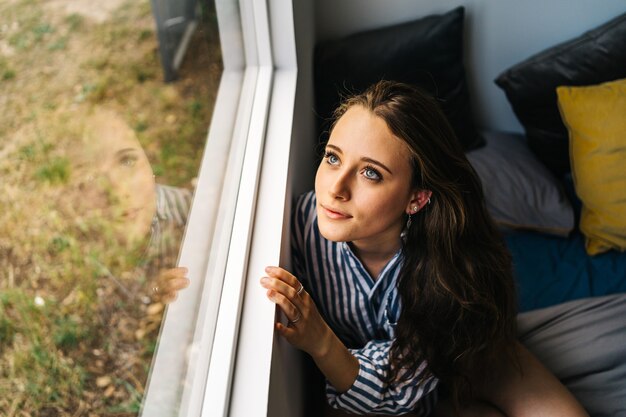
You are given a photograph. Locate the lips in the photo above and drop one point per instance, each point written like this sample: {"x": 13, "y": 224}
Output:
{"x": 334, "y": 214}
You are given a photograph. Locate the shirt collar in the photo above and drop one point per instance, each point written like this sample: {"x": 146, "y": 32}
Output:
{"x": 366, "y": 281}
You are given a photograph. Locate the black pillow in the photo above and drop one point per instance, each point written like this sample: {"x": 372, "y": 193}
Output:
{"x": 530, "y": 86}
{"x": 427, "y": 52}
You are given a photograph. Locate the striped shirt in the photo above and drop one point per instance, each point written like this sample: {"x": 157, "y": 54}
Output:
{"x": 172, "y": 207}
{"x": 362, "y": 312}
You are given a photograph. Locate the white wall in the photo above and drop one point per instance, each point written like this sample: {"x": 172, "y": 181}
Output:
{"x": 498, "y": 34}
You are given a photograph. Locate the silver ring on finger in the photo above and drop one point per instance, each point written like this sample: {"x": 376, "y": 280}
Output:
{"x": 294, "y": 321}
{"x": 299, "y": 291}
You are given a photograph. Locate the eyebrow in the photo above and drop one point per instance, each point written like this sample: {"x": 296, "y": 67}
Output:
{"x": 365, "y": 158}
{"x": 125, "y": 150}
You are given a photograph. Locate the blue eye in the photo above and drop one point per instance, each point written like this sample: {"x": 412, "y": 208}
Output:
{"x": 128, "y": 161}
{"x": 127, "y": 158}
{"x": 371, "y": 174}
{"x": 331, "y": 158}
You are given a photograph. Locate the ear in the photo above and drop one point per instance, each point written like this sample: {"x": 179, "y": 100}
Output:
{"x": 418, "y": 200}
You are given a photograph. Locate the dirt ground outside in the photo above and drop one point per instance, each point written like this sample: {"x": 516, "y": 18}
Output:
{"x": 78, "y": 323}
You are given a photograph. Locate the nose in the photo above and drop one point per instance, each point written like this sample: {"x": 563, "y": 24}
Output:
{"x": 340, "y": 186}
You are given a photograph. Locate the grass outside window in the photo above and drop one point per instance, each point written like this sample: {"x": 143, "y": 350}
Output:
{"x": 78, "y": 323}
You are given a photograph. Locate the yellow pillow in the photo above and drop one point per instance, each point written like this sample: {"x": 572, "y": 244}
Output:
{"x": 596, "y": 119}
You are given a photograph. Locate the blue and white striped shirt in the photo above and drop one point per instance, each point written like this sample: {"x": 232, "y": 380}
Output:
{"x": 362, "y": 311}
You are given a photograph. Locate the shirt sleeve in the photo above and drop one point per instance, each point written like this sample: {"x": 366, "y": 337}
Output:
{"x": 370, "y": 392}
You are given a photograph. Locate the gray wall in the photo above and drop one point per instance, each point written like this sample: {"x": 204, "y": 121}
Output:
{"x": 499, "y": 33}
{"x": 302, "y": 169}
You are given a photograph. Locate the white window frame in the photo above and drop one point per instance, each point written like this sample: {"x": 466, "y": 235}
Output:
{"x": 242, "y": 179}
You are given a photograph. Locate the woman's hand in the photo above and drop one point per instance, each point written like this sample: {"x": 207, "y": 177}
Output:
{"x": 169, "y": 282}
{"x": 306, "y": 328}
{"x": 308, "y": 331}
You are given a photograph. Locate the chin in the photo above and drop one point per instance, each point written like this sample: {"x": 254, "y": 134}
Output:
{"x": 332, "y": 233}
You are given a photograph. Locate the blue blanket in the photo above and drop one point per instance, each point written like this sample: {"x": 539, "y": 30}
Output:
{"x": 551, "y": 270}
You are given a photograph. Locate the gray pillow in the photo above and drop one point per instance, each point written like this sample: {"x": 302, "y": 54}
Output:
{"x": 519, "y": 190}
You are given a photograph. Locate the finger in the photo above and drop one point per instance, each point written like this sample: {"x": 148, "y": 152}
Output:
{"x": 283, "y": 275}
{"x": 282, "y": 287}
{"x": 284, "y": 304}
{"x": 169, "y": 297}
{"x": 176, "y": 284}
{"x": 285, "y": 331}
{"x": 171, "y": 277}
{"x": 177, "y": 272}
{"x": 286, "y": 277}
{"x": 181, "y": 269}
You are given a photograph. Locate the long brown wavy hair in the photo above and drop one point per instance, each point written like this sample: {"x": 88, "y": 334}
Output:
{"x": 456, "y": 285}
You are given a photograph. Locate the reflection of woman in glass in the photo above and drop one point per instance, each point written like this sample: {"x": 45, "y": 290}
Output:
{"x": 87, "y": 254}
{"x": 121, "y": 188}
{"x": 396, "y": 258}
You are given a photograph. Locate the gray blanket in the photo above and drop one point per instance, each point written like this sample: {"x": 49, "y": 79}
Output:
{"x": 583, "y": 343}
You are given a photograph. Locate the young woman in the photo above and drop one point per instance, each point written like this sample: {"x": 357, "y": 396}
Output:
{"x": 403, "y": 289}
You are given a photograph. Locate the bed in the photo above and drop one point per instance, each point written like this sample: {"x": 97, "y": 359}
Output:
{"x": 558, "y": 191}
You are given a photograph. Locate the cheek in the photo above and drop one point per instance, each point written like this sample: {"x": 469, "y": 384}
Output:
{"x": 144, "y": 198}
{"x": 143, "y": 179}
{"x": 385, "y": 207}
{"x": 132, "y": 182}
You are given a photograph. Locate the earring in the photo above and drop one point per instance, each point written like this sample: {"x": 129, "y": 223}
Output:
{"x": 415, "y": 208}
{"x": 408, "y": 222}
{"x": 428, "y": 201}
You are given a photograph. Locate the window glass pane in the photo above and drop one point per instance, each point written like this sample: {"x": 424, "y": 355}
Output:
{"x": 98, "y": 160}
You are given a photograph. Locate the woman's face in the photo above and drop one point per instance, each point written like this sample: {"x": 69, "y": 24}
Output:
{"x": 122, "y": 176}
{"x": 363, "y": 184}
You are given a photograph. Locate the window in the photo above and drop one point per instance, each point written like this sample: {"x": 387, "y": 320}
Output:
{"x": 255, "y": 180}
{"x": 88, "y": 118}
{"x": 87, "y": 231}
